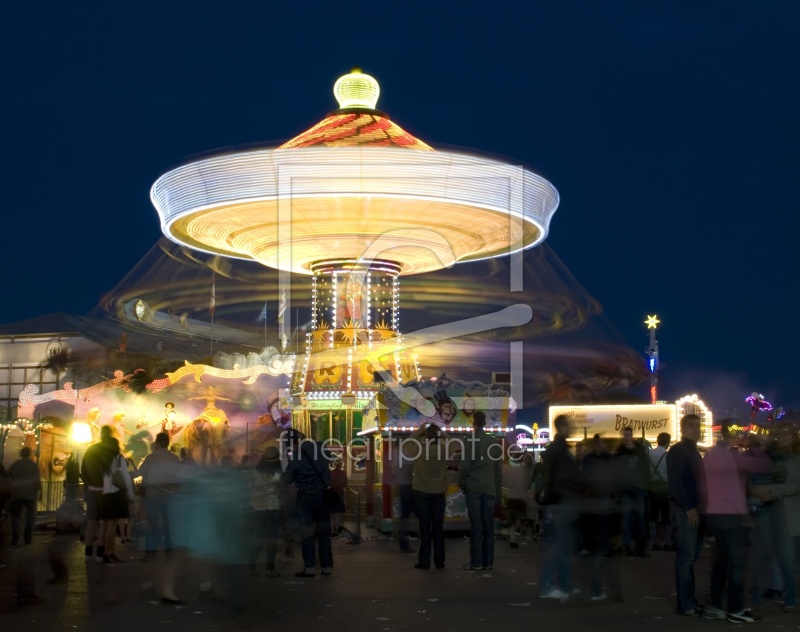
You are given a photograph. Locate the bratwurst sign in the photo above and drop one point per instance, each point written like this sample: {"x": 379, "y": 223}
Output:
{"x": 608, "y": 421}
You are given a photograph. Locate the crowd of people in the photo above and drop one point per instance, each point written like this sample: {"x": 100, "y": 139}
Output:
{"x": 223, "y": 517}
{"x": 599, "y": 498}
{"x": 743, "y": 494}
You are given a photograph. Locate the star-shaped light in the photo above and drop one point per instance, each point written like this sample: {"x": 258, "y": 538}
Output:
{"x": 652, "y": 321}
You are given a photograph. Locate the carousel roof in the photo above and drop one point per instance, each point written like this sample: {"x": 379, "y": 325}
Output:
{"x": 349, "y": 190}
{"x": 356, "y": 123}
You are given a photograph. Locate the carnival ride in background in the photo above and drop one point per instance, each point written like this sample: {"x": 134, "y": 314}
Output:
{"x": 355, "y": 204}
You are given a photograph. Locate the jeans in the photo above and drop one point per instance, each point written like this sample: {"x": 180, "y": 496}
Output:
{"x": 599, "y": 530}
{"x": 687, "y": 549}
{"x": 265, "y": 533}
{"x": 430, "y": 513}
{"x": 407, "y": 505}
{"x": 157, "y": 508}
{"x": 764, "y": 555}
{"x": 481, "y": 519}
{"x": 787, "y": 561}
{"x": 315, "y": 518}
{"x": 728, "y": 568}
{"x": 633, "y": 518}
{"x": 558, "y": 546}
{"x": 17, "y": 505}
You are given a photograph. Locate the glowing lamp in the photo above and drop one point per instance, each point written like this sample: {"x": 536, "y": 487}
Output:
{"x": 356, "y": 90}
{"x": 80, "y": 432}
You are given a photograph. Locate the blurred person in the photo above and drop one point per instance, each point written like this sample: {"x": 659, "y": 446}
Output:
{"x": 516, "y": 484}
{"x": 115, "y": 501}
{"x": 764, "y": 568}
{"x": 126, "y": 526}
{"x": 480, "y": 476}
{"x": 94, "y": 465}
{"x": 784, "y": 491}
{"x": 159, "y": 482}
{"x": 725, "y": 469}
{"x": 602, "y": 480}
{"x": 25, "y": 489}
{"x": 658, "y": 494}
{"x": 338, "y": 483}
{"x": 562, "y": 488}
{"x": 429, "y": 482}
{"x": 267, "y": 495}
{"x": 633, "y": 496}
{"x": 685, "y": 480}
{"x": 308, "y": 471}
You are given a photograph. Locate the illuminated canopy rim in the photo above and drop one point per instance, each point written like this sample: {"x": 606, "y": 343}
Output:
{"x": 424, "y": 210}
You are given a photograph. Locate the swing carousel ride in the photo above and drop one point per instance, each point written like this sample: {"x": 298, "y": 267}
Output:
{"x": 355, "y": 203}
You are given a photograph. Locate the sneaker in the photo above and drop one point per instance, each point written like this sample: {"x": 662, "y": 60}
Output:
{"x": 697, "y": 611}
{"x": 470, "y": 567}
{"x": 422, "y": 567}
{"x": 273, "y": 573}
{"x": 710, "y": 612}
{"x": 601, "y": 597}
{"x": 487, "y": 568}
{"x": 743, "y": 616}
{"x": 553, "y": 593}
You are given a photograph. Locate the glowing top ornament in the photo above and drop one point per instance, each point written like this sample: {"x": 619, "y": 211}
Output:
{"x": 652, "y": 321}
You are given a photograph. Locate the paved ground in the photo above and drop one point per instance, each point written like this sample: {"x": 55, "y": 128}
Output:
{"x": 373, "y": 587}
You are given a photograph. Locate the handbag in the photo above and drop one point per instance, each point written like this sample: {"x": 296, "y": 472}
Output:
{"x": 114, "y": 476}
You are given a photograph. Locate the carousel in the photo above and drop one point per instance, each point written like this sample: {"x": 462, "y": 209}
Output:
{"x": 356, "y": 203}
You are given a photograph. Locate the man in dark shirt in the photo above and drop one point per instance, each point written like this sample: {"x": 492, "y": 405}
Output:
{"x": 309, "y": 472}
{"x": 685, "y": 478}
{"x": 634, "y": 462}
{"x": 562, "y": 489}
{"x": 95, "y": 463}
{"x": 26, "y": 487}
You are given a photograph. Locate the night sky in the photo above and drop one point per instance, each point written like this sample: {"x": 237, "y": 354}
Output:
{"x": 670, "y": 132}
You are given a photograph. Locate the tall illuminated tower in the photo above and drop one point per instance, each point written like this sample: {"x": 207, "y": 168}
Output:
{"x": 652, "y": 353}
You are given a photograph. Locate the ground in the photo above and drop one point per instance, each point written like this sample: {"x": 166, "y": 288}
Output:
{"x": 374, "y": 586}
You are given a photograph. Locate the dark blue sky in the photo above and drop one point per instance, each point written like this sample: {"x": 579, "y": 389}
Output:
{"x": 670, "y": 131}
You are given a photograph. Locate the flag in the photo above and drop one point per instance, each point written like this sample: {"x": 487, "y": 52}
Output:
{"x": 213, "y": 302}
{"x": 263, "y": 315}
{"x": 282, "y": 306}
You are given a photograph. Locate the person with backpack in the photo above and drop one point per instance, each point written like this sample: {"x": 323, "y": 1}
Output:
{"x": 658, "y": 494}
